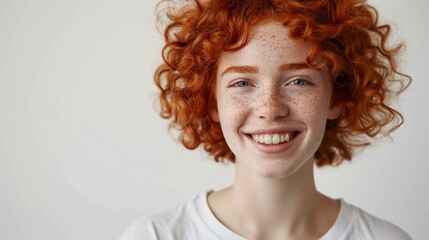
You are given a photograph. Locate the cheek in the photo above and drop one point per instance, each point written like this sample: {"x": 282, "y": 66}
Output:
{"x": 232, "y": 115}
{"x": 231, "y": 109}
{"x": 313, "y": 108}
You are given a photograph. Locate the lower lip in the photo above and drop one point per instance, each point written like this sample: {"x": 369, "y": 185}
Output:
{"x": 274, "y": 148}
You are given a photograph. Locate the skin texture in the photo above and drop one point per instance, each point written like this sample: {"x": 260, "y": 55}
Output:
{"x": 274, "y": 196}
{"x": 256, "y": 97}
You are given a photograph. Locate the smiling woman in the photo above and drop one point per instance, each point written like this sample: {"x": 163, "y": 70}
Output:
{"x": 342, "y": 36}
{"x": 272, "y": 105}
{"x": 275, "y": 87}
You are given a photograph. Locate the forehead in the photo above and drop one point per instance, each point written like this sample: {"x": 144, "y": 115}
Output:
{"x": 270, "y": 31}
{"x": 268, "y": 42}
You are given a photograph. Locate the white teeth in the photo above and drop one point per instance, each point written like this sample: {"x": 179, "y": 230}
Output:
{"x": 256, "y": 138}
{"x": 271, "y": 138}
{"x": 287, "y": 137}
{"x": 268, "y": 139}
{"x": 276, "y": 139}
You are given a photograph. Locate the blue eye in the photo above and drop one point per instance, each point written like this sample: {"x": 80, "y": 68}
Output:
{"x": 298, "y": 82}
{"x": 242, "y": 84}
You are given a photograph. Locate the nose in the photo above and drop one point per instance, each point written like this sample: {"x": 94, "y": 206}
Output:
{"x": 271, "y": 104}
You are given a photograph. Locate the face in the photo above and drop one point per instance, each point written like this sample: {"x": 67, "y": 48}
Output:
{"x": 272, "y": 108}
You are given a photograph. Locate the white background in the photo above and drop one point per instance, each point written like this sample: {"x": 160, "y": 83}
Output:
{"x": 83, "y": 152}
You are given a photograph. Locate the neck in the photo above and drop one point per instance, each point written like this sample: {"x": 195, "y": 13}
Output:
{"x": 267, "y": 201}
{"x": 259, "y": 207}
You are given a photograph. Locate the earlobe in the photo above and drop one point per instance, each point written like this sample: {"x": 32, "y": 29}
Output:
{"x": 214, "y": 115}
{"x": 335, "y": 111}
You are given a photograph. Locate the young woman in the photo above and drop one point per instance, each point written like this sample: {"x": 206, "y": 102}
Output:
{"x": 275, "y": 87}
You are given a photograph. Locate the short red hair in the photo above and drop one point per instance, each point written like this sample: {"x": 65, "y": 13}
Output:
{"x": 344, "y": 33}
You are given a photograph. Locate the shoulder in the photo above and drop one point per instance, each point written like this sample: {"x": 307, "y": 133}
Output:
{"x": 178, "y": 222}
{"x": 368, "y": 226}
{"x": 380, "y": 229}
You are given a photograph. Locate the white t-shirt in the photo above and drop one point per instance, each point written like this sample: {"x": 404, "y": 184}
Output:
{"x": 194, "y": 220}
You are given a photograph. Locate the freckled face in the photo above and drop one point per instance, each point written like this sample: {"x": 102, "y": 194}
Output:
{"x": 272, "y": 108}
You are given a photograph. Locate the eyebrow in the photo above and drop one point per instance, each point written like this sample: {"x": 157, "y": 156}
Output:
{"x": 252, "y": 69}
{"x": 240, "y": 69}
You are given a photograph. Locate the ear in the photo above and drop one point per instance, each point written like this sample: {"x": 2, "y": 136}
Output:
{"x": 335, "y": 110}
{"x": 214, "y": 115}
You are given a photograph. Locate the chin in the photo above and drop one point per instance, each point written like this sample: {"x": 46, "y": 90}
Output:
{"x": 277, "y": 170}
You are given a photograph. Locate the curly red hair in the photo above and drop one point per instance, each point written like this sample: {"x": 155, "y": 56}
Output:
{"x": 344, "y": 33}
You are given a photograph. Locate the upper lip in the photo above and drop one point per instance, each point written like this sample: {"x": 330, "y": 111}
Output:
{"x": 273, "y": 131}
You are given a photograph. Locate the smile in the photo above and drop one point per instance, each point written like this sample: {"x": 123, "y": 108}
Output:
{"x": 272, "y": 139}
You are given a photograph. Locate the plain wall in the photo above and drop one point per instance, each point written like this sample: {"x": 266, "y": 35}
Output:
{"x": 83, "y": 152}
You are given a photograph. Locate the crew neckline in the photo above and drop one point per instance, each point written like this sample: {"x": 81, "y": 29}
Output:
{"x": 221, "y": 231}
{"x": 212, "y": 222}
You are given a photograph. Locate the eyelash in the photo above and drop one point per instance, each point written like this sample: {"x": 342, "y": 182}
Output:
{"x": 237, "y": 84}
{"x": 297, "y": 82}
